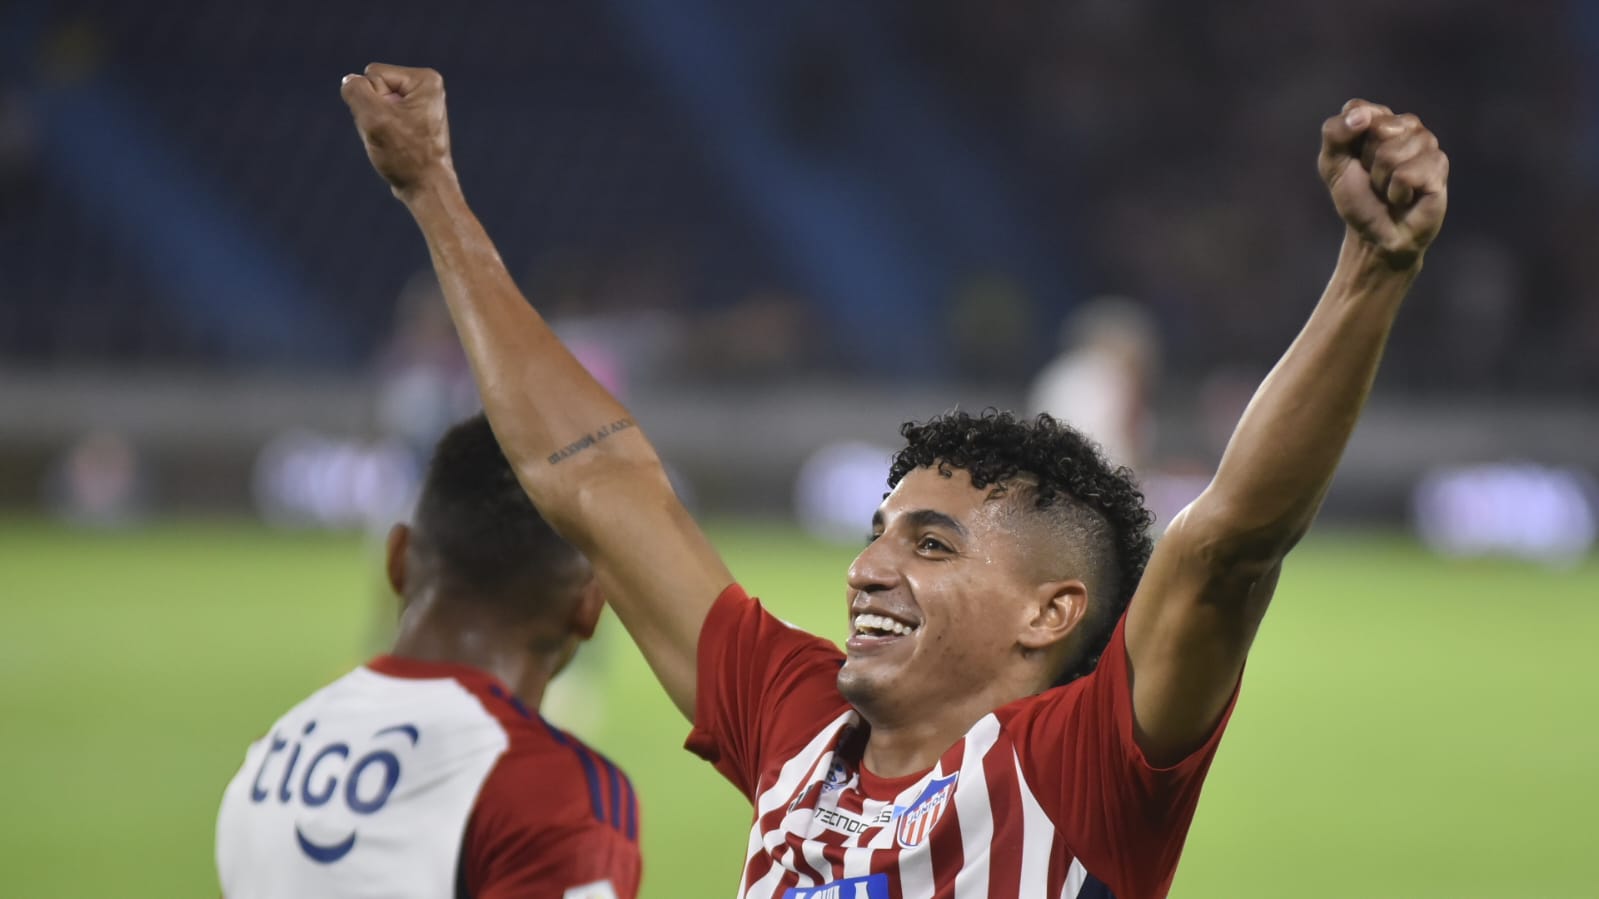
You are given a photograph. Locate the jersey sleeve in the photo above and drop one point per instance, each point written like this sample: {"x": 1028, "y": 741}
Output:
{"x": 531, "y": 839}
{"x": 1122, "y": 817}
{"x": 764, "y": 689}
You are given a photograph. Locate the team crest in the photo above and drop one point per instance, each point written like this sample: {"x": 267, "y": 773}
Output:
{"x": 917, "y": 821}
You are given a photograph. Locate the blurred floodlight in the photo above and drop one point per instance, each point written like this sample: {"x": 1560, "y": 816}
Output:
{"x": 305, "y": 479}
{"x": 839, "y": 487}
{"x": 1523, "y": 510}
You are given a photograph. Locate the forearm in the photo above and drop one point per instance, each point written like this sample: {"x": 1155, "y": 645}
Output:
{"x": 1282, "y": 456}
{"x": 549, "y": 414}
{"x": 590, "y": 472}
{"x": 573, "y": 447}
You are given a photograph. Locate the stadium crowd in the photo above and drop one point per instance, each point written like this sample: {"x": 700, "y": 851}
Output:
{"x": 1153, "y": 144}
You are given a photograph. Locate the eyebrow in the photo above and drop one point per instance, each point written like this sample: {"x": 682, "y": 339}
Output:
{"x": 925, "y": 518}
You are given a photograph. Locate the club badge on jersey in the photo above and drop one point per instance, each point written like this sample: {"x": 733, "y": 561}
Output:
{"x": 916, "y": 820}
{"x": 872, "y": 887}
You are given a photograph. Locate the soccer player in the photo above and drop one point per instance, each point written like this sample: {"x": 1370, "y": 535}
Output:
{"x": 1003, "y": 721}
{"x": 429, "y": 772}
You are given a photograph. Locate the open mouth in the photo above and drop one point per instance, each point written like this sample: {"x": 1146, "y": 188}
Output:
{"x": 869, "y": 631}
{"x": 881, "y": 626}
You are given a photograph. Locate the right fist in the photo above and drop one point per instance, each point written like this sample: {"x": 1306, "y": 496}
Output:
{"x": 399, "y": 112}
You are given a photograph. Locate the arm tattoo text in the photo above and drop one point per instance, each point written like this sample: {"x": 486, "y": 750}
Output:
{"x": 589, "y": 440}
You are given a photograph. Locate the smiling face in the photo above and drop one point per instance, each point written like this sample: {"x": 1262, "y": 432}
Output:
{"x": 949, "y": 608}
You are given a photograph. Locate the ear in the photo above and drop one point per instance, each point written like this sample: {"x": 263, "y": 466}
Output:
{"x": 1057, "y": 609}
{"x": 399, "y": 544}
{"x": 586, "y": 611}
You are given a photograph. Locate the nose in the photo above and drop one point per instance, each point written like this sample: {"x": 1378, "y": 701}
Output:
{"x": 874, "y": 569}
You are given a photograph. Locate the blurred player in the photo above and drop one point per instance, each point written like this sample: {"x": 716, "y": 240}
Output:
{"x": 428, "y": 772}
{"x": 1102, "y": 377}
{"x": 958, "y": 746}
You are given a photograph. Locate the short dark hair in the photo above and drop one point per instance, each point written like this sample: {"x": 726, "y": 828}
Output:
{"x": 473, "y": 516}
{"x": 1087, "y": 499}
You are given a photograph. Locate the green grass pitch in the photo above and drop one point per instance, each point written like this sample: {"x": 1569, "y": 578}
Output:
{"x": 1409, "y": 727}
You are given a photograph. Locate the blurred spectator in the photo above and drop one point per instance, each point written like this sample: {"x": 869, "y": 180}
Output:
{"x": 1180, "y": 143}
{"x": 1100, "y": 382}
{"x": 424, "y": 383}
{"x": 1165, "y": 148}
{"x": 618, "y": 315}
{"x": 99, "y": 481}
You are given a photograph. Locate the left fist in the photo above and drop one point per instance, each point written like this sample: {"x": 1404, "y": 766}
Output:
{"x": 1387, "y": 177}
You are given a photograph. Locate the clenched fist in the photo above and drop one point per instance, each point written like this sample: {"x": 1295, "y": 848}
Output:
{"x": 1388, "y": 179}
{"x": 399, "y": 112}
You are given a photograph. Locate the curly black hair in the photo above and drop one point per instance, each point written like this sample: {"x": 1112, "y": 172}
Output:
{"x": 1095, "y": 504}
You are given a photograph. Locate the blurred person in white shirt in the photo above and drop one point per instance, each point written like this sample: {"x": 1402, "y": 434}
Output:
{"x": 1103, "y": 377}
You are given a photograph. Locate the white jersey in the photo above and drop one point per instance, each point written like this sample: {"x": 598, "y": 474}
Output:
{"x": 371, "y": 788}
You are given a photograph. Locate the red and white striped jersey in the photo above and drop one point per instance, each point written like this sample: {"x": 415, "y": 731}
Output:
{"x": 408, "y": 778}
{"x": 1049, "y": 796}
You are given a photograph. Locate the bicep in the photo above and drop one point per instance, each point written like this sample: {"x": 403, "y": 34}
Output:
{"x": 1189, "y": 629}
{"x": 656, "y": 568}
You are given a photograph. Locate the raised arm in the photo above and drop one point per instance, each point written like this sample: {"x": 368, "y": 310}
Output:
{"x": 588, "y": 468}
{"x": 1205, "y": 591}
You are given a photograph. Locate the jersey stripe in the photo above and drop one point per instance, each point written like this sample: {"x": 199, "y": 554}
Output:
{"x": 772, "y": 883}
{"x": 1076, "y": 875}
{"x": 857, "y": 862}
{"x": 814, "y": 859}
{"x": 1005, "y": 861}
{"x": 943, "y": 834}
{"x": 632, "y": 808}
{"x": 616, "y": 791}
{"x": 555, "y": 732}
{"x": 915, "y": 868}
{"x": 944, "y": 843}
{"x": 801, "y": 851}
{"x": 1038, "y": 840}
{"x": 771, "y": 803}
{"x": 593, "y": 775}
{"x": 974, "y": 814}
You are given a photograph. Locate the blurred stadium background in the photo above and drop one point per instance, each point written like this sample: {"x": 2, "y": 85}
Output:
{"x": 779, "y": 230}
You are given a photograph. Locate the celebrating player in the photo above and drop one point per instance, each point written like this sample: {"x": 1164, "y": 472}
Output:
{"x": 1003, "y": 722}
{"x": 428, "y": 771}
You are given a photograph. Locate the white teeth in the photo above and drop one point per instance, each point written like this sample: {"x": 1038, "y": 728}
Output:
{"x": 881, "y": 623}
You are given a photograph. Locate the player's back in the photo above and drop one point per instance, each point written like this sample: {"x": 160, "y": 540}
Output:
{"x": 420, "y": 779}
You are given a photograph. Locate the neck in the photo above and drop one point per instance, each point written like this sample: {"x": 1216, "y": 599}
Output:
{"x": 435, "y": 631}
{"x": 896, "y": 752}
{"x": 898, "y": 746}
{"x": 907, "y": 743}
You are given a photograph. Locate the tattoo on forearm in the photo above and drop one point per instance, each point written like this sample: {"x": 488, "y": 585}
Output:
{"x": 589, "y": 440}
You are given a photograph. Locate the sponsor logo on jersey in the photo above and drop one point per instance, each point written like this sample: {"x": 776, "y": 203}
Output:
{"x": 917, "y": 820}
{"x": 872, "y": 887}
{"x": 844, "y": 822}
{"x": 362, "y": 786}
